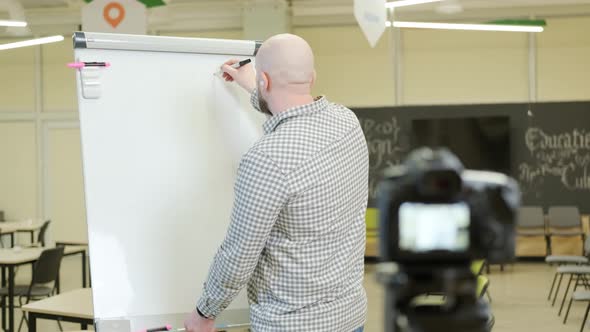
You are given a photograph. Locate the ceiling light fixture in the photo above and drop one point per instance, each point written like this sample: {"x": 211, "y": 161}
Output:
{"x": 460, "y": 26}
{"x": 31, "y": 42}
{"x": 7, "y": 23}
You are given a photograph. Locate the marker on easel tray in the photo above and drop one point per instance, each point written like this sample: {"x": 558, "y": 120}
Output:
{"x": 164, "y": 328}
{"x": 158, "y": 329}
{"x": 79, "y": 65}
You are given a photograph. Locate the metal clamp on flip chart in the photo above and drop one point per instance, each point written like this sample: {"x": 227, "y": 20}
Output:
{"x": 90, "y": 77}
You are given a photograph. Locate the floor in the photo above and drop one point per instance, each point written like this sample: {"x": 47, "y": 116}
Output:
{"x": 519, "y": 299}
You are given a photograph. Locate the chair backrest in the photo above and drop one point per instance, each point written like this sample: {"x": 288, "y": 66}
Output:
{"x": 482, "y": 285}
{"x": 42, "y": 232}
{"x": 587, "y": 246}
{"x": 564, "y": 217}
{"x": 477, "y": 266}
{"x": 46, "y": 268}
{"x": 530, "y": 217}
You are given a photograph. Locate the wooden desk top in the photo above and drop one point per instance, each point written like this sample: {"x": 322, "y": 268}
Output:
{"x": 73, "y": 242}
{"x": 26, "y": 255}
{"x": 76, "y": 304}
{"x": 19, "y": 226}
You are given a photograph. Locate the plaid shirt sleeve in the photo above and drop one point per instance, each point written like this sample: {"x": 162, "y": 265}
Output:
{"x": 260, "y": 193}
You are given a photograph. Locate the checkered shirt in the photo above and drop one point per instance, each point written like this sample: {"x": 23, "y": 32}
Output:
{"x": 297, "y": 231}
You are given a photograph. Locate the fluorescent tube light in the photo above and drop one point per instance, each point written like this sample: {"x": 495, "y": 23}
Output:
{"x": 32, "y": 42}
{"x": 459, "y": 26}
{"x": 20, "y": 24}
{"x": 404, "y": 3}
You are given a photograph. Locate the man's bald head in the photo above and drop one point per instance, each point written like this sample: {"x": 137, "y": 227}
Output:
{"x": 288, "y": 61}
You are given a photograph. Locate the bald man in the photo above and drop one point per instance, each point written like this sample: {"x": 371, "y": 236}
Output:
{"x": 297, "y": 231}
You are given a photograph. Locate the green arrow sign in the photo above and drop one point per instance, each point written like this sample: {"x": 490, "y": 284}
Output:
{"x": 540, "y": 23}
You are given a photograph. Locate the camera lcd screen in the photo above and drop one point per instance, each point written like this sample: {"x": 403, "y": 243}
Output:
{"x": 432, "y": 227}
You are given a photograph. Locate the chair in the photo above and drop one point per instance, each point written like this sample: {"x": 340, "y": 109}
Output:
{"x": 530, "y": 222}
{"x": 43, "y": 281}
{"x": 580, "y": 272}
{"x": 483, "y": 283}
{"x": 562, "y": 260}
{"x": 477, "y": 266}
{"x": 565, "y": 221}
{"x": 580, "y": 296}
{"x": 41, "y": 236}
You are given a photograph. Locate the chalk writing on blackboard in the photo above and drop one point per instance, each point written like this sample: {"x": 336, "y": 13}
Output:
{"x": 564, "y": 156}
{"x": 386, "y": 147}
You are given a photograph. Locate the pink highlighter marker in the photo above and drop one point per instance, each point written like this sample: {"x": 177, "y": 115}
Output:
{"x": 158, "y": 329}
{"x": 79, "y": 65}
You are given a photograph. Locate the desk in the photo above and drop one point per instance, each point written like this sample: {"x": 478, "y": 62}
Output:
{"x": 227, "y": 320}
{"x": 86, "y": 281}
{"x": 71, "y": 243}
{"x": 10, "y": 259}
{"x": 11, "y": 227}
{"x": 77, "y": 250}
{"x": 74, "y": 306}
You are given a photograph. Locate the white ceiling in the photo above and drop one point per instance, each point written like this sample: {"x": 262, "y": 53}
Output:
{"x": 63, "y": 16}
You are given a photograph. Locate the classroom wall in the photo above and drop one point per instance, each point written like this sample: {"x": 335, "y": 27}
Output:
{"x": 449, "y": 67}
{"x": 17, "y": 79}
{"x": 18, "y": 180}
{"x": 349, "y": 72}
{"x": 58, "y": 81}
{"x": 452, "y": 67}
{"x": 64, "y": 197}
{"x": 438, "y": 67}
{"x": 564, "y": 60}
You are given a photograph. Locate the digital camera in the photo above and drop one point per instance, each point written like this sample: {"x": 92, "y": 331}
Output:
{"x": 435, "y": 219}
{"x": 434, "y": 211}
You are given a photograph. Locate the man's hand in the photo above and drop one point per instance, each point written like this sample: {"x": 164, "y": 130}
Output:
{"x": 245, "y": 76}
{"x": 195, "y": 323}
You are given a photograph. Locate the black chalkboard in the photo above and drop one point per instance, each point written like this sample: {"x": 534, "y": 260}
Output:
{"x": 549, "y": 145}
{"x": 387, "y": 141}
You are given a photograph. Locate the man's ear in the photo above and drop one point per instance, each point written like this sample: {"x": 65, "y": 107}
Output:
{"x": 313, "y": 78}
{"x": 264, "y": 82}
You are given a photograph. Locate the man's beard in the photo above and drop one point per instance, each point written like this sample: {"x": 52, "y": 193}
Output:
{"x": 263, "y": 105}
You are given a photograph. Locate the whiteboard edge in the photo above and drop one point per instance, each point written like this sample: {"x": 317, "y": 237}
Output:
{"x": 95, "y": 40}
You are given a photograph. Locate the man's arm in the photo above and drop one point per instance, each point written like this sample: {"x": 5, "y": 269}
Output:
{"x": 260, "y": 194}
{"x": 244, "y": 77}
